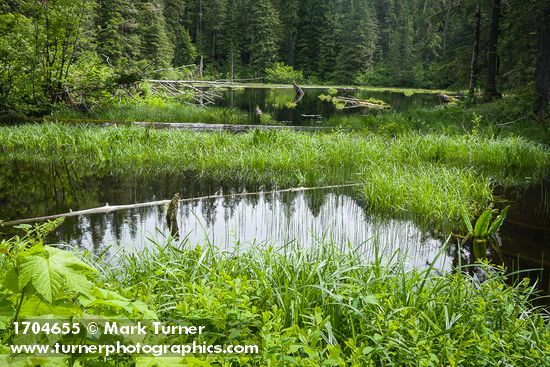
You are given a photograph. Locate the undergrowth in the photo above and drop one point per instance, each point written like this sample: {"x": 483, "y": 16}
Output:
{"x": 320, "y": 305}
{"x": 303, "y": 306}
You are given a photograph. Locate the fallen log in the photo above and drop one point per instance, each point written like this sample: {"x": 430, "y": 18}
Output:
{"x": 108, "y": 208}
{"x": 225, "y": 127}
{"x": 178, "y": 87}
{"x": 446, "y": 99}
{"x": 352, "y": 102}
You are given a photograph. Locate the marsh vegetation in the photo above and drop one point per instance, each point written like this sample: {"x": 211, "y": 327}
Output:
{"x": 386, "y": 204}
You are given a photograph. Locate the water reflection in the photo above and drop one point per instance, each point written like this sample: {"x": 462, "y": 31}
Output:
{"x": 30, "y": 190}
{"x": 310, "y": 110}
{"x": 273, "y": 219}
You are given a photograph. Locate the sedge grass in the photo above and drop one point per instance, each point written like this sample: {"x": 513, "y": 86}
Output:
{"x": 309, "y": 305}
{"x": 402, "y": 174}
{"x": 162, "y": 111}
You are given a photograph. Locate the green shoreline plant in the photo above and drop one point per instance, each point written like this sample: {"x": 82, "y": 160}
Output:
{"x": 321, "y": 306}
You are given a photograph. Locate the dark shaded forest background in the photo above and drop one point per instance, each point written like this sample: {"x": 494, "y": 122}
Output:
{"x": 63, "y": 49}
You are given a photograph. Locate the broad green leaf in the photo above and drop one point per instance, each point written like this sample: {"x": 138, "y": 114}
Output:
{"x": 142, "y": 308}
{"x": 112, "y": 303}
{"x": 102, "y": 293}
{"x": 125, "y": 305}
{"x": 35, "y": 306}
{"x": 169, "y": 362}
{"x": 495, "y": 227}
{"x": 9, "y": 280}
{"x": 53, "y": 272}
{"x": 482, "y": 224}
{"x": 29, "y": 361}
{"x": 367, "y": 350}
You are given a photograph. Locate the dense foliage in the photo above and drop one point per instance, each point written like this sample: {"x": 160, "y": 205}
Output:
{"x": 67, "y": 50}
{"x": 317, "y": 306}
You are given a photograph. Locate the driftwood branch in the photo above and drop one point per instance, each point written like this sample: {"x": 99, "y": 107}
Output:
{"x": 176, "y": 88}
{"x": 352, "y": 102}
{"x": 108, "y": 208}
{"x": 299, "y": 93}
{"x": 445, "y": 98}
{"x": 198, "y": 126}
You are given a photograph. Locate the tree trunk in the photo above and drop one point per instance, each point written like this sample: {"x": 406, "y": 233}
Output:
{"x": 445, "y": 26}
{"x": 492, "y": 58}
{"x": 232, "y": 66}
{"x": 292, "y": 48}
{"x": 542, "y": 76}
{"x": 475, "y": 51}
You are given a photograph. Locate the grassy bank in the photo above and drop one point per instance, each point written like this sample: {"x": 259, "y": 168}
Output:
{"x": 432, "y": 178}
{"x": 510, "y": 116}
{"x": 154, "y": 110}
{"x": 325, "y": 307}
{"x": 312, "y": 306}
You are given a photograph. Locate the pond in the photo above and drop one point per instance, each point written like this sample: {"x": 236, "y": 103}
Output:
{"x": 281, "y": 104}
{"x": 301, "y": 218}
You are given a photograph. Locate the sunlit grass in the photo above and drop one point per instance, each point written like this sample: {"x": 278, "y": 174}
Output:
{"x": 431, "y": 176}
{"x": 434, "y": 194}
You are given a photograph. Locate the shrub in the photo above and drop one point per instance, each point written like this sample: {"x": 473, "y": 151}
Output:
{"x": 282, "y": 73}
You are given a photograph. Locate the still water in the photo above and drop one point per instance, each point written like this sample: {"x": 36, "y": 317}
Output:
{"x": 282, "y": 106}
{"x": 301, "y": 218}
{"x": 266, "y": 219}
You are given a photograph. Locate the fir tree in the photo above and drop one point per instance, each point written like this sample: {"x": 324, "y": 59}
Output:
{"x": 358, "y": 41}
{"x": 263, "y": 30}
{"x": 184, "y": 50}
{"x": 155, "y": 44}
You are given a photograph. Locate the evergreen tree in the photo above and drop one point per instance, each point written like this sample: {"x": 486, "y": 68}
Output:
{"x": 155, "y": 44}
{"x": 310, "y": 30}
{"x": 232, "y": 38}
{"x": 358, "y": 41}
{"x": 492, "y": 51}
{"x": 184, "y": 50}
{"x": 290, "y": 19}
{"x": 329, "y": 44}
{"x": 542, "y": 76}
{"x": 213, "y": 22}
{"x": 263, "y": 32}
{"x": 117, "y": 30}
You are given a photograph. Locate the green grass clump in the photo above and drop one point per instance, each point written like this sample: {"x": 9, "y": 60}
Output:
{"x": 510, "y": 116}
{"x": 160, "y": 111}
{"x": 451, "y": 171}
{"x": 301, "y": 305}
{"x": 434, "y": 191}
{"x": 305, "y": 306}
